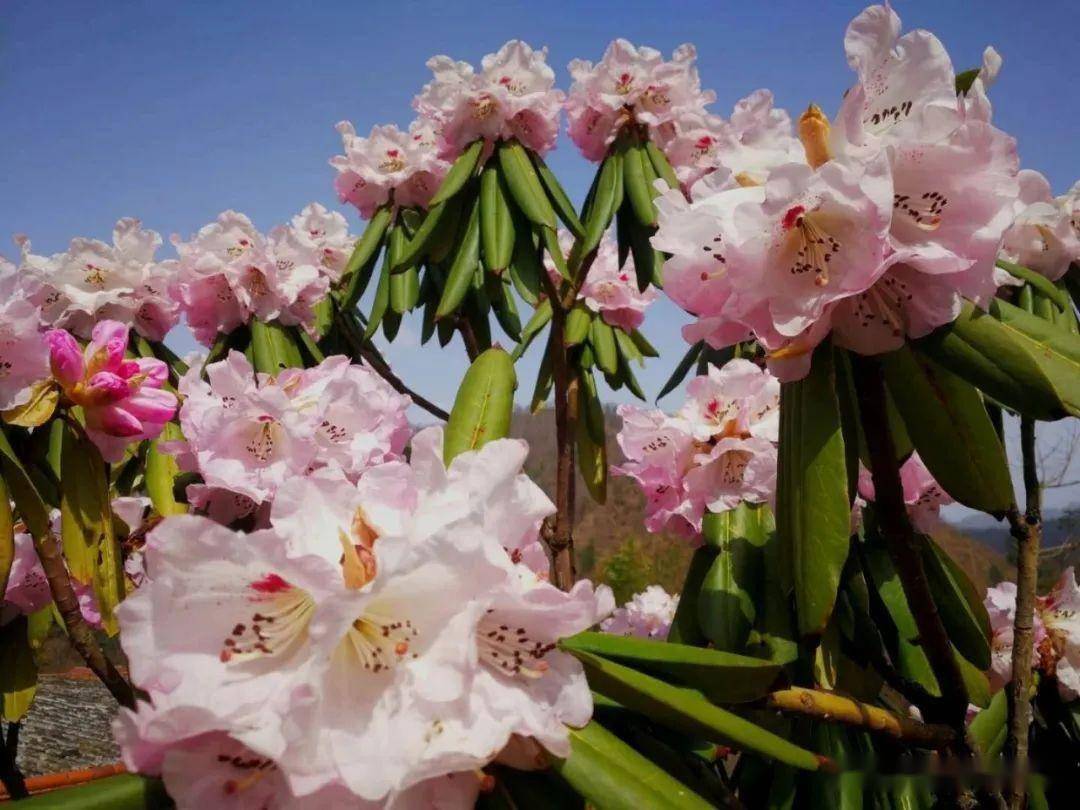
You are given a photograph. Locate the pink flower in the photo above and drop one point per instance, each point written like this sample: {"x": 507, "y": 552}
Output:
{"x": 24, "y": 355}
{"x": 329, "y": 232}
{"x": 738, "y": 399}
{"x": 610, "y": 290}
{"x": 230, "y": 273}
{"x": 122, "y": 400}
{"x": 1045, "y": 235}
{"x": 388, "y": 162}
{"x": 513, "y": 96}
{"x": 1056, "y": 641}
{"x": 923, "y": 495}
{"x": 94, "y": 281}
{"x": 631, "y": 84}
{"x": 647, "y": 615}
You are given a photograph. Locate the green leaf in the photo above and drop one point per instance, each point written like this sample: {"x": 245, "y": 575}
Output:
{"x": 813, "y": 517}
{"x": 628, "y": 349}
{"x": 965, "y": 618}
{"x": 463, "y": 266}
{"x": 274, "y": 348}
{"x": 496, "y": 221}
{"x": 380, "y": 304}
{"x": 414, "y": 246}
{"x": 636, "y": 183}
{"x": 965, "y": 79}
{"x": 601, "y": 207}
{"x": 591, "y": 451}
{"x": 524, "y": 185}
{"x": 988, "y": 723}
{"x": 540, "y": 318}
{"x": 404, "y": 290}
{"x": 723, "y": 676}
{"x": 687, "y": 710}
{"x": 948, "y": 425}
{"x": 124, "y": 792}
{"x": 23, "y": 491}
{"x": 18, "y": 671}
{"x": 1019, "y": 360}
{"x": 732, "y": 587}
{"x": 544, "y": 382}
{"x": 357, "y": 272}
{"x": 502, "y": 303}
{"x": 161, "y": 472}
{"x": 643, "y": 344}
{"x": 86, "y": 523}
{"x": 660, "y": 164}
{"x": 551, "y": 245}
{"x": 526, "y": 266}
{"x": 483, "y": 405}
{"x": 681, "y": 370}
{"x": 648, "y": 261}
{"x": 613, "y": 776}
{"x": 602, "y": 340}
{"x": 1037, "y": 281}
{"x": 578, "y": 321}
{"x": 684, "y": 626}
{"x": 7, "y": 535}
{"x": 559, "y": 199}
{"x": 459, "y": 173}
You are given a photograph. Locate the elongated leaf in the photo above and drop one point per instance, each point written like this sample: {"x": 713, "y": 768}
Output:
{"x": 681, "y": 370}
{"x": 687, "y": 710}
{"x": 496, "y": 221}
{"x": 559, "y": 199}
{"x": 601, "y": 207}
{"x": 813, "y": 516}
{"x": 636, "y": 182}
{"x": 544, "y": 382}
{"x": 948, "y": 425}
{"x": 732, "y": 587}
{"x": 966, "y": 622}
{"x": 540, "y": 318}
{"x": 602, "y": 340}
{"x": 1037, "y": 281}
{"x": 1021, "y": 361}
{"x": 483, "y": 405}
{"x": 502, "y": 303}
{"x": 626, "y": 371}
{"x": 357, "y": 272}
{"x": 273, "y": 348}
{"x": 988, "y": 723}
{"x": 38, "y": 409}
{"x": 20, "y": 484}
{"x": 660, "y": 164}
{"x": 550, "y": 240}
{"x": 578, "y": 321}
{"x": 628, "y": 349}
{"x": 7, "y": 534}
{"x": 723, "y": 676}
{"x": 591, "y": 452}
{"x": 161, "y": 472}
{"x": 613, "y": 776}
{"x": 643, "y": 344}
{"x": 380, "y": 304}
{"x": 124, "y": 792}
{"x": 648, "y": 261}
{"x": 459, "y": 173}
{"x": 416, "y": 245}
{"x": 524, "y": 185}
{"x": 526, "y": 266}
{"x": 18, "y": 671}
{"x": 463, "y": 267}
{"x": 684, "y": 626}
{"x": 591, "y": 410}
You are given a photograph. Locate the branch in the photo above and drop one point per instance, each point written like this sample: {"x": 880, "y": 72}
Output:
{"x": 370, "y": 355}
{"x": 834, "y": 708}
{"x": 468, "y": 337}
{"x": 903, "y": 546}
{"x": 1028, "y": 533}
{"x": 79, "y": 632}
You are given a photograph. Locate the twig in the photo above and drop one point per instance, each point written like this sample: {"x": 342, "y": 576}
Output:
{"x": 468, "y": 337}
{"x": 365, "y": 351}
{"x": 79, "y": 632}
{"x": 1028, "y": 532}
{"x": 902, "y": 543}
{"x": 835, "y": 708}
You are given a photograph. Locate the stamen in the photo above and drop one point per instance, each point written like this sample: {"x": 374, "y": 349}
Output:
{"x": 276, "y": 627}
{"x": 924, "y": 211}
{"x": 378, "y": 641}
{"x": 510, "y": 650}
{"x": 816, "y": 248}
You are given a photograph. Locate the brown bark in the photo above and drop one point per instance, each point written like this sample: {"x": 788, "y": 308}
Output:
{"x": 1027, "y": 530}
{"x": 902, "y": 544}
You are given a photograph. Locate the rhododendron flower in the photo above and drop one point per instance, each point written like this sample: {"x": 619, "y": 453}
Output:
{"x": 377, "y": 636}
{"x": 647, "y": 615}
{"x": 631, "y": 84}
{"x": 717, "y": 451}
{"x": 329, "y": 232}
{"x": 229, "y": 273}
{"x": 388, "y": 163}
{"x": 94, "y": 281}
{"x": 1056, "y": 639}
{"x": 247, "y": 433}
{"x": 691, "y": 145}
{"x": 24, "y": 355}
{"x": 122, "y": 400}
{"x": 513, "y": 96}
{"x": 923, "y": 495}
{"x": 609, "y": 290}
{"x": 1045, "y": 235}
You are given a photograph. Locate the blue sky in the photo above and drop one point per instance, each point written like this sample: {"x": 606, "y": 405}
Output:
{"x": 173, "y": 112}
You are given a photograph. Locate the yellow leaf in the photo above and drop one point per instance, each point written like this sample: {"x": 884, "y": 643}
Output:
{"x": 37, "y": 411}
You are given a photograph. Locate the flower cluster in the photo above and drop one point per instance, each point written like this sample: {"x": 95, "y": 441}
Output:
{"x": 632, "y": 85}
{"x": 923, "y": 496}
{"x": 229, "y": 273}
{"x": 246, "y": 434}
{"x": 122, "y": 399}
{"x": 647, "y": 615}
{"x": 609, "y": 290}
{"x": 378, "y": 641}
{"x": 717, "y": 451}
{"x": 93, "y": 281}
{"x": 874, "y": 231}
{"x": 24, "y": 355}
{"x": 1045, "y": 236}
{"x": 1057, "y": 633}
{"x": 388, "y": 164}
{"x": 512, "y": 96}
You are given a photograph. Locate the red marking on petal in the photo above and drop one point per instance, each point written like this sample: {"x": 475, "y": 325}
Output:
{"x": 791, "y": 218}
{"x": 271, "y": 583}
